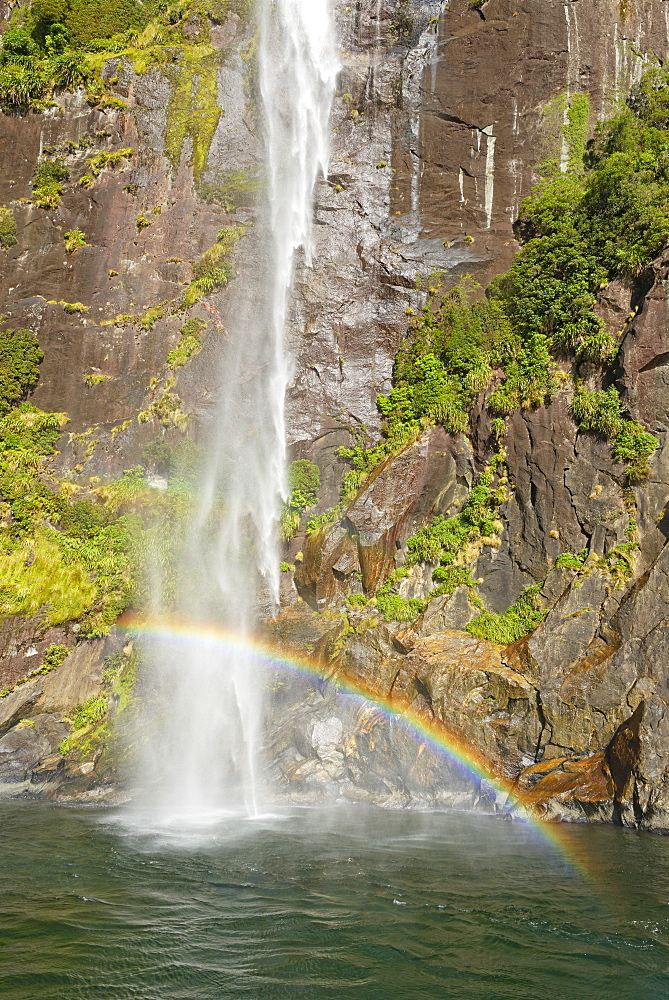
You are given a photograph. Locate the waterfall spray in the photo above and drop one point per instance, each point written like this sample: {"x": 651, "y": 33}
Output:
{"x": 200, "y": 754}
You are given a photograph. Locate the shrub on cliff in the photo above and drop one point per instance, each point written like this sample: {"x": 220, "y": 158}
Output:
{"x": 86, "y": 20}
{"x": 48, "y": 179}
{"x": 7, "y": 228}
{"x": 20, "y": 358}
{"x": 304, "y": 482}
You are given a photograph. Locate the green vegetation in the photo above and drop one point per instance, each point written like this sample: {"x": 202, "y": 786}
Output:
{"x": 93, "y": 729}
{"x": 53, "y": 657}
{"x": 190, "y": 343}
{"x": 20, "y": 359}
{"x": 450, "y": 544}
{"x": 48, "y": 180}
{"x": 86, "y": 20}
{"x": 74, "y": 239}
{"x": 35, "y": 576}
{"x": 601, "y": 411}
{"x": 73, "y": 307}
{"x": 53, "y": 45}
{"x": 230, "y": 189}
{"x": 607, "y": 216}
{"x": 304, "y": 482}
{"x": 7, "y": 228}
{"x": 193, "y": 111}
{"x": 150, "y": 316}
{"x": 102, "y": 161}
{"x": 572, "y": 560}
{"x": 521, "y": 618}
{"x": 165, "y": 407}
{"x": 63, "y": 558}
{"x": 213, "y": 270}
{"x": 84, "y": 717}
{"x": 95, "y": 378}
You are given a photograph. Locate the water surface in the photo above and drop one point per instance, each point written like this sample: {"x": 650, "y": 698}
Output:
{"x": 336, "y": 905}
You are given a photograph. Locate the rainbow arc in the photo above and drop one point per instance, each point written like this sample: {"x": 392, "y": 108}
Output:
{"x": 432, "y": 732}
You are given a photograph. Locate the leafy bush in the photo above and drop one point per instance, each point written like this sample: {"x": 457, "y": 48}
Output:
{"x": 74, "y": 239}
{"x": 451, "y": 544}
{"x": 48, "y": 179}
{"x": 7, "y": 228}
{"x": 102, "y": 161}
{"x": 304, "y": 482}
{"x": 90, "y": 712}
{"x": 20, "y": 358}
{"x": 86, "y": 20}
{"x": 399, "y": 609}
{"x": 21, "y": 84}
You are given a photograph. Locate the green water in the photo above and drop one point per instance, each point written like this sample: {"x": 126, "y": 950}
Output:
{"x": 345, "y": 905}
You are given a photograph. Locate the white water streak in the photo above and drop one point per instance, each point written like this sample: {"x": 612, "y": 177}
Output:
{"x": 200, "y": 757}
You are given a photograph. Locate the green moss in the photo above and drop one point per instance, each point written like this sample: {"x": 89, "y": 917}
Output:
{"x": 48, "y": 180}
{"x": 522, "y": 617}
{"x": 102, "y": 161}
{"x": 7, "y": 228}
{"x": 193, "y": 111}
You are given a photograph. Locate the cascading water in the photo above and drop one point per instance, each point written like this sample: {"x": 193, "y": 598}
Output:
{"x": 200, "y": 748}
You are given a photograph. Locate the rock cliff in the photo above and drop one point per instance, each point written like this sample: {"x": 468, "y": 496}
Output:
{"x": 444, "y": 115}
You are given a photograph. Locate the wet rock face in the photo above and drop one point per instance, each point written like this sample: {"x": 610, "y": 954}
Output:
{"x": 485, "y": 115}
{"x": 431, "y": 476}
{"x": 35, "y": 719}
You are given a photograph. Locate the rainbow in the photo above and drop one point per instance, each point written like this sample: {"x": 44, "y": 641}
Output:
{"x": 439, "y": 737}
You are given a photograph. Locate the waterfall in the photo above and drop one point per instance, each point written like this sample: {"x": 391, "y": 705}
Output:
{"x": 199, "y": 755}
